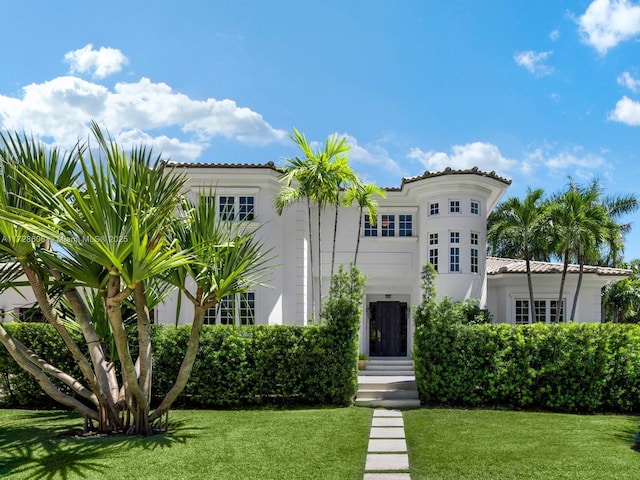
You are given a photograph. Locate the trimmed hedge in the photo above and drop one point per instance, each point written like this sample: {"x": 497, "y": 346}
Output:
{"x": 235, "y": 366}
{"x": 245, "y": 366}
{"x": 568, "y": 367}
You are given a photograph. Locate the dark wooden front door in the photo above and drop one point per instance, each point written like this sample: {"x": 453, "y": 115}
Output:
{"x": 388, "y": 329}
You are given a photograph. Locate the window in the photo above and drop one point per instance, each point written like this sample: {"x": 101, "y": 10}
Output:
{"x": 474, "y": 260}
{"x": 433, "y": 258}
{"x": 241, "y": 207}
{"x": 454, "y": 206}
{"x": 433, "y": 239}
{"x": 388, "y": 225}
{"x": 475, "y": 207}
{"x": 545, "y": 311}
{"x": 522, "y": 312}
{"x": 233, "y": 310}
{"x": 405, "y": 225}
{"x": 454, "y": 237}
{"x": 454, "y": 259}
{"x": 553, "y": 312}
{"x": 226, "y": 207}
{"x": 246, "y": 208}
{"x": 474, "y": 238}
{"x": 434, "y": 209}
{"x": 369, "y": 229}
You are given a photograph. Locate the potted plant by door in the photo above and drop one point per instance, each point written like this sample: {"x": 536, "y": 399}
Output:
{"x": 362, "y": 361}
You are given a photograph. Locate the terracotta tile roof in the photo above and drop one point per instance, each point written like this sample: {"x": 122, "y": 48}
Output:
{"x": 450, "y": 171}
{"x": 268, "y": 165}
{"x": 272, "y": 166}
{"x": 497, "y": 266}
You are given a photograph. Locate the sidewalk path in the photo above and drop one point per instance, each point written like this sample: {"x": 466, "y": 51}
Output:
{"x": 387, "y": 457}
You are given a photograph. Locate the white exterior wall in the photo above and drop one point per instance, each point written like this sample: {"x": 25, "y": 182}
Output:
{"x": 504, "y": 289}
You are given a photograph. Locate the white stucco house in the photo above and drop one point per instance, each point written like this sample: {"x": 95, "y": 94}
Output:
{"x": 437, "y": 217}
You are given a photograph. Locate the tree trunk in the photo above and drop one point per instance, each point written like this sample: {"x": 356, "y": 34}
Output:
{"x": 335, "y": 233}
{"x": 355, "y": 257}
{"x": 532, "y": 304}
{"x": 187, "y": 362}
{"x": 319, "y": 264}
{"x": 313, "y": 291}
{"x": 144, "y": 340}
{"x": 575, "y": 298}
{"x": 559, "y": 307}
{"x": 140, "y": 406}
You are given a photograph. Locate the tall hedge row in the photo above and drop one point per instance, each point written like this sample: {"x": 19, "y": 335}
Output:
{"x": 568, "y": 367}
{"x": 235, "y": 366}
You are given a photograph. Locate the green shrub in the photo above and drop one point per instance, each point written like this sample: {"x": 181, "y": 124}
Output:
{"x": 567, "y": 367}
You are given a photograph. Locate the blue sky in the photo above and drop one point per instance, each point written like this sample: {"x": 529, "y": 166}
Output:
{"x": 535, "y": 90}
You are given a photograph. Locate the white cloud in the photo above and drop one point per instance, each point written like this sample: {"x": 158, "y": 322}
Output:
{"x": 606, "y": 23}
{"x": 61, "y": 109}
{"x": 626, "y": 111}
{"x": 485, "y": 156}
{"x": 571, "y": 160}
{"x": 99, "y": 63}
{"x": 627, "y": 80}
{"x": 374, "y": 154}
{"x": 534, "y": 62}
{"x": 554, "y": 35}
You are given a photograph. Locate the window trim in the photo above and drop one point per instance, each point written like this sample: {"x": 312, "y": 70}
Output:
{"x": 549, "y": 307}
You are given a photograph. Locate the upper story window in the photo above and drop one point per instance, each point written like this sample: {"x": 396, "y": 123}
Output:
{"x": 454, "y": 206}
{"x": 369, "y": 229}
{"x": 236, "y": 207}
{"x": 433, "y": 239}
{"x": 454, "y": 237}
{"x": 433, "y": 258}
{"x": 474, "y": 238}
{"x": 474, "y": 260}
{"x": 388, "y": 225}
{"x": 434, "y": 208}
{"x": 475, "y": 207}
{"x": 405, "y": 225}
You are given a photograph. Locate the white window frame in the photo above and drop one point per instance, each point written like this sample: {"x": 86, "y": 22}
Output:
{"x": 474, "y": 207}
{"x": 454, "y": 206}
{"x": 215, "y": 315}
{"x": 434, "y": 209}
{"x": 544, "y": 308}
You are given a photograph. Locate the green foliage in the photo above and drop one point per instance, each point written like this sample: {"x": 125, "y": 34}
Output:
{"x": 567, "y": 367}
{"x": 235, "y": 366}
{"x": 17, "y": 387}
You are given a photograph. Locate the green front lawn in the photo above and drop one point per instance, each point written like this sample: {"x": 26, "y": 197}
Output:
{"x": 300, "y": 444}
{"x": 495, "y": 445}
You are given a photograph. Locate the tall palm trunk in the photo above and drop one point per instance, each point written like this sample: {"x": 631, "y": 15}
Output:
{"x": 335, "y": 233}
{"x": 575, "y": 298}
{"x": 355, "y": 257}
{"x": 312, "y": 268}
{"x": 319, "y": 263}
{"x": 560, "y": 306}
{"x": 532, "y": 303}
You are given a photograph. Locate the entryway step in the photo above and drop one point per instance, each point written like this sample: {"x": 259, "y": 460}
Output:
{"x": 387, "y": 394}
{"x": 388, "y": 382}
{"x": 390, "y": 403}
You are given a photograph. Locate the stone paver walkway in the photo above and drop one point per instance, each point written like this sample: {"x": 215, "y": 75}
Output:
{"x": 387, "y": 457}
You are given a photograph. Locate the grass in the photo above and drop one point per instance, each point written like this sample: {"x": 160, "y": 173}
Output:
{"x": 495, "y": 445}
{"x": 321, "y": 444}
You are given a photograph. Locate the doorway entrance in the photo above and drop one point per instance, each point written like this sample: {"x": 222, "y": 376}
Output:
{"x": 387, "y": 329}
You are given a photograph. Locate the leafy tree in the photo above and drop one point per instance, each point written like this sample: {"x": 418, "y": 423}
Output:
{"x": 521, "y": 222}
{"x": 362, "y": 194}
{"x": 111, "y": 230}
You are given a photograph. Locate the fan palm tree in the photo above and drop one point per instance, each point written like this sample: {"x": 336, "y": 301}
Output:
{"x": 362, "y": 194}
{"x": 520, "y": 222}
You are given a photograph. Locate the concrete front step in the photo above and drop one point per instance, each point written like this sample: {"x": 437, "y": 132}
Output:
{"x": 393, "y": 403}
{"x": 388, "y": 382}
{"x": 387, "y": 394}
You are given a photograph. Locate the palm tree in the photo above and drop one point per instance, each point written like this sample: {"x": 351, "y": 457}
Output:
{"x": 343, "y": 176}
{"x": 581, "y": 224}
{"x": 115, "y": 233}
{"x": 316, "y": 177}
{"x": 362, "y": 194}
{"x": 520, "y": 222}
{"x": 228, "y": 260}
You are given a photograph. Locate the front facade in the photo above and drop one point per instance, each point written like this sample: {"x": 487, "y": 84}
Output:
{"x": 438, "y": 217}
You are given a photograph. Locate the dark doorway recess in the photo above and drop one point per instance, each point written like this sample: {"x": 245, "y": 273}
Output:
{"x": 387, "y": 329}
